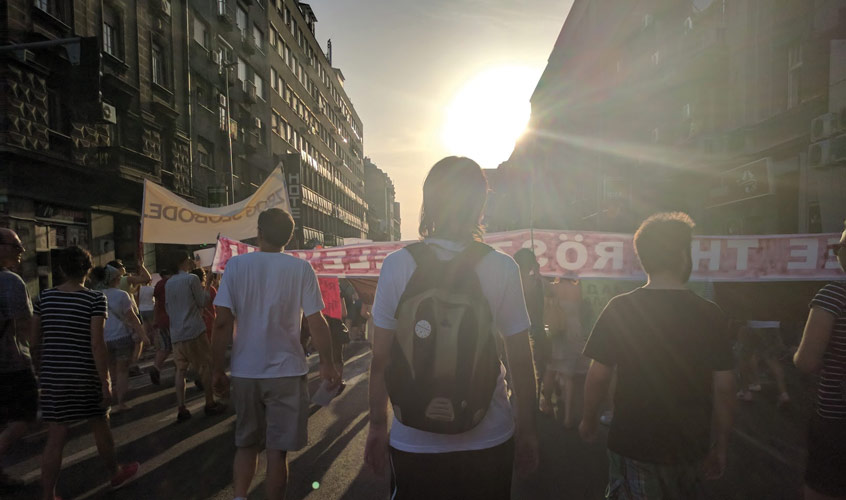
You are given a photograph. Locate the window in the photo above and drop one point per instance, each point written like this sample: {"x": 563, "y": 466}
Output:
{"x": 242, "y": 71}
{"x": 273, "y": 77}
{"x": 111, "y": 32}
{"x": 257, "y": 80}
{"x": 241, "y": 20}
{"x": 202, "y": 98}
{"x": 258, "y": 38}
{"x": 201, "y": 32}
{"x": 159, "y": 66}
{"x": 204, "y": 155}
{"x": 794, "y": 74}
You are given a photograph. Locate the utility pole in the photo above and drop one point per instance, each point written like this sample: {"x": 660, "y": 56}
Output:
{"x": 227, "y": 67}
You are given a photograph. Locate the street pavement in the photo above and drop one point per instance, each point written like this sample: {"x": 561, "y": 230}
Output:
{"x": 192, "y": 460}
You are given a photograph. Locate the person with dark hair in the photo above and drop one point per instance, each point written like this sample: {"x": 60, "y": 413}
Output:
{"x": 441, "y": 446}
{"x": 209, "y": 312}
{"x": 534, "y": 295}
{"x": 163, "y": 344}
{"x": 72, "y": 360}
{"x": 18, "y": 389}
{"x": 185, "y": 301}
{"x": 823, "y": 350}
{"x": 130, "y": 284}
{"x": 674, "y": 398}
{"x": 267, "y": 293}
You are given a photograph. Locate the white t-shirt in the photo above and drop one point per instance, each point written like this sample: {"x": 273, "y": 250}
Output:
{"x": 500, "y": 280}
{"x": 121, "y": 305}
{"x": 268, "y": 293}
{"x": 146, "y": 302}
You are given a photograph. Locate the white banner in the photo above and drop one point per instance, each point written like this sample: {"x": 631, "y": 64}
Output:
{"x": 168, "y": 218}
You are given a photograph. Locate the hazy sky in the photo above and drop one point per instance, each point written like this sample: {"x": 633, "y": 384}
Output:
{"x": 405, "y": 60}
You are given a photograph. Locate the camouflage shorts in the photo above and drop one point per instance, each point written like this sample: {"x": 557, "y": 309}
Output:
{"x": 633, "y": 480}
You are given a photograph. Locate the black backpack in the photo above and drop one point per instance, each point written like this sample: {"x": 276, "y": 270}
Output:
{"x": 444, "y": 362}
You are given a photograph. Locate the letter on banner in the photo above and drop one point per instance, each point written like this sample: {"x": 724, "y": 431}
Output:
{"x": 808, "y": 253}
{"x": 609, "y": 251}
{"x": 742, "y": 247}
{"x": 712, "y": 254}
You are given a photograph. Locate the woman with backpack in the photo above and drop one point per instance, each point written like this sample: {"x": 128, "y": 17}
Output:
{"x": 439, "y": 306}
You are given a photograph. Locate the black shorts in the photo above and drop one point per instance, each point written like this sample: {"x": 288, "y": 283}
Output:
{"x": 18, "y": 397}
{"x": 826, "y": 469}
{"x": 463, "y": 475}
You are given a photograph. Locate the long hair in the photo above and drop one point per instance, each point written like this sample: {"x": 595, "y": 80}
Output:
{"x": 454, "y": 196}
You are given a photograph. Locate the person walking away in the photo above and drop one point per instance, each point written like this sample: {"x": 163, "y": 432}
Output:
{"x": 72, "y": 362}
{"x": 262, "y": 298}
{"x": 130, "y": 283}
{"x": 146, "y": 308}
{"x": 823, "y": 350}
{"x": 163, "y": 344}
{"x": 185, "y": 301}
{"x": 18, "y": 389}
{"x": 209, "y": 311}
{"x": 761, "y": 340}
{"x": 675, "y": 385}
{"x": 122, "y": 325}
{"x": 454, "y": 434}
{"x": 534, "y": 295}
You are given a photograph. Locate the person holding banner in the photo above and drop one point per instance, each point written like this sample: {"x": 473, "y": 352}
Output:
{"x": 266, "y": 293}
{"x": 823, "y": 350}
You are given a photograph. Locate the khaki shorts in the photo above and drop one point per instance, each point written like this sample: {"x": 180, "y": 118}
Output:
{"x": 195, "y": 352}
{"x": 271, "y": 411}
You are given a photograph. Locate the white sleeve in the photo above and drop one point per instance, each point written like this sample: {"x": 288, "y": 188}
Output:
{"x": 312, "y": 300}
{"x": 225, "y": 292}
{"x": 511, "y": 316}
{"x": 396, "y": 271}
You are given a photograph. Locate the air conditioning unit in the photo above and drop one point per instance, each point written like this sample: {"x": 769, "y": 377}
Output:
{"x": 819, "y": 154}
{"x": 109, "y": 113}
{"x": 824, "y": 126}
{"x": 221, "y": 100}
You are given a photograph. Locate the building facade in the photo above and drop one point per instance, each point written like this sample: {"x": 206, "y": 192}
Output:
{"x": 204, "y": 97}
{"x": 732, "y": 111}
{"x": 383, "y": 213}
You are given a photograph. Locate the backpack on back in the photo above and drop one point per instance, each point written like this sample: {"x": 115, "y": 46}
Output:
{"x": 444, "y": 362}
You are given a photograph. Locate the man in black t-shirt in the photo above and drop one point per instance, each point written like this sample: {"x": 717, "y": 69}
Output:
{"x": 672, "y": 352}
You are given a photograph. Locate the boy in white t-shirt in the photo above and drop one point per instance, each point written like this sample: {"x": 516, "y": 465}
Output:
{"x": 263, "y": 297}
{"x": 477, "y": 463}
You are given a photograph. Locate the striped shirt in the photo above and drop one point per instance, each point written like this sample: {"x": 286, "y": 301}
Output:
{"x": 831, "y": 394}
{"x": 70, "y": 384}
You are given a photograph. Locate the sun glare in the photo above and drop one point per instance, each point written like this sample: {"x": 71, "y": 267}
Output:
{"x": 489, "y": 114}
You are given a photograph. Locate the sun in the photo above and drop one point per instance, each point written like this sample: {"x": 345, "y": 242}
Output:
{"x": 489, "y": 114}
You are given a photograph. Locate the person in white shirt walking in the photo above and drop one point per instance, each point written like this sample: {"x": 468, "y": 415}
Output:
{"x": 262, "y": 299}
{"x": 185, "y": 300}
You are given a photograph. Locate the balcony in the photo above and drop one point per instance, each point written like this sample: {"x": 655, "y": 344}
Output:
{"x": 116, "y": 158}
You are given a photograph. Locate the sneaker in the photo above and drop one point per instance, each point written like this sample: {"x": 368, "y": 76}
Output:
{"x": 183, "y": 415}
{"x": 155, "y": 376}
{"x": 9, "y": 484}
{"x": 214, "y": 409}
{"x": 744, "y": 395}
{"x": 125, "y": 473}
{"x": 134, "y": 371}
{"x": 606, "y": 417}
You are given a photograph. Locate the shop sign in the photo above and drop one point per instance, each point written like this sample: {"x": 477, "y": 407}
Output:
{"x": 746, "y": 182}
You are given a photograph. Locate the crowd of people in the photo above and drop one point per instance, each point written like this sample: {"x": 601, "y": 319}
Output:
{"x": 449, "y": 314}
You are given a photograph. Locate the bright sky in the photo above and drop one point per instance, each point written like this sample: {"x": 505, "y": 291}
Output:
{"x": 441, "y": 77}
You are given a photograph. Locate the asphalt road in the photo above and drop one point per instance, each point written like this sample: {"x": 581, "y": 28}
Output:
{"x": 192, "y": 460}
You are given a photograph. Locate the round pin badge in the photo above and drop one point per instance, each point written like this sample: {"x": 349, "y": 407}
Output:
{"x": 422, "y": 329}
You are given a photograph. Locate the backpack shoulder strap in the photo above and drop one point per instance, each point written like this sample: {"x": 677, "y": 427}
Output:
{"x": 474, "y": 253}
{"x": 422, "y": 253}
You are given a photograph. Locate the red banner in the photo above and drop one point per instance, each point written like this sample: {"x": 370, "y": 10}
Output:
{"x": 580, "y": 254}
